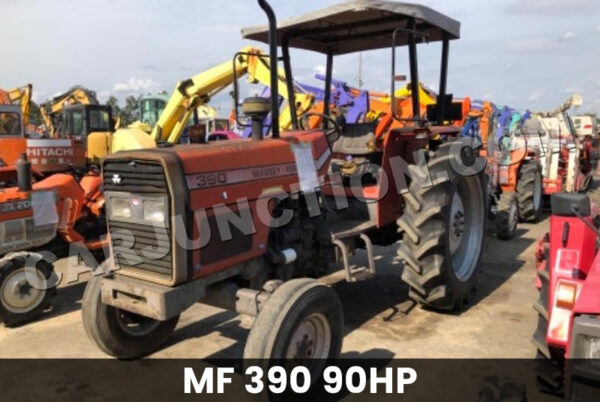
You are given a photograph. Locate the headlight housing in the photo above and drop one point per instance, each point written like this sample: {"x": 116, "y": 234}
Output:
{"x": 119, "y": 208}
{"x": 154, "y": 211}
{"x": 592, "y": 348}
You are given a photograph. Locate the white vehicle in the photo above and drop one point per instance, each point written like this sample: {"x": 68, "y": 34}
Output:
{"x": 586, "y": 126}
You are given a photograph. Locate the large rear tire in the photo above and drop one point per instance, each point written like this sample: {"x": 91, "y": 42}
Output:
{"x": 302, "y": 321}
{"x": 119, "y": 333}
{"x": 21, "y": 300}
{"x": 444, "y": 228}
{"x": 530, "y": 192}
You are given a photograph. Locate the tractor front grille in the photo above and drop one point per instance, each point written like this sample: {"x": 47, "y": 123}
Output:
{"x": 134, "y": 176}
{"x": 151, "y": 249}
{"x": 139, "y": 245}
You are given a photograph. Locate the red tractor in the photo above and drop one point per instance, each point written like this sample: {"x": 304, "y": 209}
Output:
{"x": 568, "y": 279}
{"x": 246, "y": 224}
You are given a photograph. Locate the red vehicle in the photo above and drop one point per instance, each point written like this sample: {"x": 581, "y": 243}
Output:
{"x": 170, "y": 198}
{"x": 568, "y": 331}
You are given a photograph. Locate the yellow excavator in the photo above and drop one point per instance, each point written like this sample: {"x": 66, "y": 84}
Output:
{"x": 198, "y": 90}
{"x": 77, "y": 114}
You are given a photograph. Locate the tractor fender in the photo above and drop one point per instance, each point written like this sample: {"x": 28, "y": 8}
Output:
{"x": 35, "y": 257}
{"x": 18, "y": 254}
{"x": 91, "y": 186}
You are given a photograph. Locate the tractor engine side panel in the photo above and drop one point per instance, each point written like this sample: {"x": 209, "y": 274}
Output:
{"x": 243, "y": 179}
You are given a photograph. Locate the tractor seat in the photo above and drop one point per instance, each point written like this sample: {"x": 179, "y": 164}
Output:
{"x": 356, "y": 139}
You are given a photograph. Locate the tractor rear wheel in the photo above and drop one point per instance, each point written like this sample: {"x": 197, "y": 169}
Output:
{"x": 549, "y": 362}
{"x": 506, "y": 217}
{"x": 120, "y": 333}
{"x": 530, "y": 191}
{"x": 20, "y": 299}
{"x": 301, "y": 321}
{"x": 444, "y": 227}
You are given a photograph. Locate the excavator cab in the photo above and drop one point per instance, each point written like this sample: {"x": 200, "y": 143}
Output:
{"x": 79, "y": 121}
{"x": 10, "y": 121}
{"x": 151, "y": 107}
{"x": 88, "y": 126}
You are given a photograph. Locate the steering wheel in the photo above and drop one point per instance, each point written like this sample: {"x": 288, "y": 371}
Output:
{"x": 332, "y": 134}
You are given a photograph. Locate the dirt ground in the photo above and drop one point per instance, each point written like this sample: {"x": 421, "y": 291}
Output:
{"x": 380, "y": 321}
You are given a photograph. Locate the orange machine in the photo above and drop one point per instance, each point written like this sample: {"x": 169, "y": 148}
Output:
{"x": 53, "y": 213}
{"x": 47, "y": 155}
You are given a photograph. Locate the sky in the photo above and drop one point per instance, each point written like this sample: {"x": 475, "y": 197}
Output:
{"x": 524, "y": 53}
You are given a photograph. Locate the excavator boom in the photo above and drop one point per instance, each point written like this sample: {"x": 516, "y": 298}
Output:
{"x": 198, "y": 90}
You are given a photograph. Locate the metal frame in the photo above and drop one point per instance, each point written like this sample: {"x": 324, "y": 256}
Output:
{"x": 413, "y": 36}
{"x": 287, "y": 66}
{"x": 273, "y": 54}
{"x": 414, "y": 68}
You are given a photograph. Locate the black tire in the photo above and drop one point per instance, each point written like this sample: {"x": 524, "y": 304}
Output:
{"x": 292, "y": 304}
{"x": 530, "y": 191}
{"x": 11, "y": 269}
{"x": 429, "y": 266}
{"x": 549, "y": 362}
{"x": 506, "y": 217}
{"x": 104, "y": 326}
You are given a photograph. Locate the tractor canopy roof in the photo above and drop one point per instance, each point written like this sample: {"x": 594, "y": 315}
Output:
{"x": 358, "y": 25}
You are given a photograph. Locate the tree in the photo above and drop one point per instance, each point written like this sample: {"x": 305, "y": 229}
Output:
{"x": 128, "y": 113}
{"x": 114, "y": 105}
{"x": 131, "y": 111}
{"x": 35, "y": 116}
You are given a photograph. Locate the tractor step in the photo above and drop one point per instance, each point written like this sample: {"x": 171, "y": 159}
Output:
{"x": 354, "y": 273}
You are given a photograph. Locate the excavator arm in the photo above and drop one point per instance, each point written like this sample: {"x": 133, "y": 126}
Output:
{"x": 195, "y": 92}
{"x": 198, "y": 90}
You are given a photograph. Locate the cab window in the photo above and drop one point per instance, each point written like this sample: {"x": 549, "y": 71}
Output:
{"x": 99, "y": 120}
{"x": 77, "y": 123}
{"x": 578, "y": 123}
{"x": 151, "y": 110}
{"x": 10, "y": 123}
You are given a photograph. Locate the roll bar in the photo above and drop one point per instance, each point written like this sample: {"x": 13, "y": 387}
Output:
{"x": 274, "y": 58}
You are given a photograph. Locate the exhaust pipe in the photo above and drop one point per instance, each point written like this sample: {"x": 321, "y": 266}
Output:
{"x": 273, "y": 65}
{"x": 24, "y": 173}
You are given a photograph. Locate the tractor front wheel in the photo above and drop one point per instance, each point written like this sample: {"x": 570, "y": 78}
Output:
{"x": 120, "y": 333}
{"x": 22, "y": 295}
{"x": 444, "y": 225}
{"x": 302, "y": 321}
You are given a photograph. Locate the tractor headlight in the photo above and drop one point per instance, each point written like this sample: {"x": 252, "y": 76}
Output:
{"x": 154, "y": 211}
{"x": 119, "y": 208}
